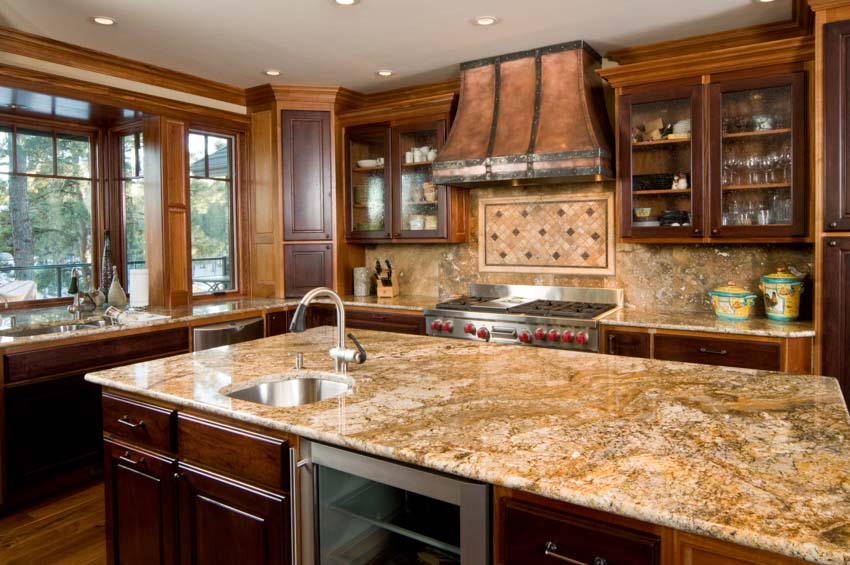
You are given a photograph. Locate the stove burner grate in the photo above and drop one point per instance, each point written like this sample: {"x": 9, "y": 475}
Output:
{"x": 562, "y": 309}
{"x": 463, "y": 302}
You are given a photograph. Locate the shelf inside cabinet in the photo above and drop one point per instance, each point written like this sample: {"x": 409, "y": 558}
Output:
{"x": 658, "y": 142}
{"x": 419, "y": 164}
{"x": 664, "y": 191}
{"x": 367, "y": 169}
{"x": 766, "y": 186}
{"x": 757, "y": 133}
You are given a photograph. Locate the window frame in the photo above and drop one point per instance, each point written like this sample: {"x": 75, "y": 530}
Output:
{"x": 95, "y": 135}
{"x": 238, "y": 263}
{"x": 116, "y": 203}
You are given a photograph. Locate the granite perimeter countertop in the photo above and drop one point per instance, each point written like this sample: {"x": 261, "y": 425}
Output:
{"x": 752, "y": 457}
{"x": 707, "y": 322}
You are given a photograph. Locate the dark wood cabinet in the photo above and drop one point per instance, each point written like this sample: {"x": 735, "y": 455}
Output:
{"x": 836, "y": 311}
{"x": 226, "y": 521}
{"x": 836, "y": 92}
{"x": 307, "y": 266}
{"x": 413, "y": 324}
{"x": 52, "y": 436}
{"x": 277, "y": 323}
{"x": 729, "y": 352}
{"x": 626, "y": 343}
{"x": 307, "y": 162}
{"x": 141, "y": 525}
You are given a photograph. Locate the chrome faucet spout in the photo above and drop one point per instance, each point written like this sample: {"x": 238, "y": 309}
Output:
{"x": 339, "y": 354}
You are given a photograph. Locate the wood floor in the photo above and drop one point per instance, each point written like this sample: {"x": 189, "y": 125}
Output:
{"x": 66, "y": 530}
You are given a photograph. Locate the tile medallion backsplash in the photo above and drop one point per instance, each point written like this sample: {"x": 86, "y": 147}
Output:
{"x": 569, "y": 234}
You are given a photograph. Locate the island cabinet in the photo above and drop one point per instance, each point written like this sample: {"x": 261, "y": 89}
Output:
{"x": 715, "y": 158}
{"x": 377, "y": 319}
{"x": 277, "y": 323}
{"x": 183, "y": 488}
{"x": 51, "y": 417}
{"x": 793, "y": 355}
{"x": 836, "y": 311}
{"x": 531, "y": 530}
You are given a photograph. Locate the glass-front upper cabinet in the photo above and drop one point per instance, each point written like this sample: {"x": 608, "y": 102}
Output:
{"x": 419, "y": 202}
{"x": 367, "y": 158}
{"x": 757, "y": 151}
{"x": 661, "y": 167}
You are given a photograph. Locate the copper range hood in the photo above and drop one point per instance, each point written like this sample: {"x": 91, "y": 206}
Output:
{"x": 531, "y": 117}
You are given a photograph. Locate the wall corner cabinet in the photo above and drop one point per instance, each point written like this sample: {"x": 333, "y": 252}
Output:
{"x": 390, "y": 195}
{"x": 721, "y": 157}
{"x": 836, "y": 47}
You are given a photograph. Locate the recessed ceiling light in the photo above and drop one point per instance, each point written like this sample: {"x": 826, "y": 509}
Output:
{"x": 486, "y": 20}
{"x": 384, "y": 73}
{"x": 765, "y": 1}
{"x": 271, "y": 72}
{"x": 346, "y": 2}
{"x": 103, "y": 20}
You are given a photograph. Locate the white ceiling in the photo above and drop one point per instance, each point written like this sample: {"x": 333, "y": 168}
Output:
{"x": 318, "y": 42}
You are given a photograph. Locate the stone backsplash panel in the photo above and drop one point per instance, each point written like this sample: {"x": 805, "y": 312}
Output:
{"x": 655, "y": 277}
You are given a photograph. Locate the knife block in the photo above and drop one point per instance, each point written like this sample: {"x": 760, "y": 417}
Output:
{"x": 388, "y": 286}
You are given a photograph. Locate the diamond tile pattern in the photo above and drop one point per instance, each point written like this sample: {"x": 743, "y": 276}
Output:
{"x": 552, "y": 233}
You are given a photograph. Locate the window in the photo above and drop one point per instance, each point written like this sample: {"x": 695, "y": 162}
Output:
{"x": 133, "y": 191}
{"x": 45, "y": 212}
{"x": 211, "y": 201}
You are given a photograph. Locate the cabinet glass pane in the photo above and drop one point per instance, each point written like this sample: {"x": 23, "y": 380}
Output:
{"x": 368, "y": 155}
{"x": 756, "y": 157}
{"x": 661, "y": 163}
{"x": 419, "y": 197}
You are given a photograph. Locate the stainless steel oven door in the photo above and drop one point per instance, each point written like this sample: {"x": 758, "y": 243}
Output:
{"x": 355, "y": 506}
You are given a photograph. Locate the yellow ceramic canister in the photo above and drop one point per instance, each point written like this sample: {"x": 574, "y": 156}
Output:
{"x": 732, "y": 302}
{"x": 782, "y": 292}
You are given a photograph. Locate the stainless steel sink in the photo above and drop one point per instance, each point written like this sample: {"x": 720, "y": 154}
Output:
{"x": 64, "y": 327}
{"x": 293, "y": 391}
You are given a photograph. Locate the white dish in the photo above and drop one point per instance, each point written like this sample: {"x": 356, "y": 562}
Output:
{"x": 367, "y": 163}
{"x": 646, "y": 224}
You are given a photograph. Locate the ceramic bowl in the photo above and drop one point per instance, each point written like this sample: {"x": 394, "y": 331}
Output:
{"x": 643, "y": 212}
{"x": 367, "y": 163}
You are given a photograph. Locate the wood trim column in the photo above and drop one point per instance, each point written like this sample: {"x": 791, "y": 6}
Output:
{"x": 167, "y": 214}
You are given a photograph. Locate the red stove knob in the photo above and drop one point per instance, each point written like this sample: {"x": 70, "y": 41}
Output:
{"x": 539, "y": 334}
{"x": 483, "y": 333}
{"x": 553, "y": 335}
{"x": 567, "y": 336}
{"x": 448, "y": 326}
{"x": 525, "y": 337}
{"x": 581, "y": 338}
{"x": 469, "y": 329}
{"x": 437, "y": 325}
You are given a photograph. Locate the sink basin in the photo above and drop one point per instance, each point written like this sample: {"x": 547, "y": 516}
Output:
{"x": 64, "y": 327}
{"x": 292, "y": 391}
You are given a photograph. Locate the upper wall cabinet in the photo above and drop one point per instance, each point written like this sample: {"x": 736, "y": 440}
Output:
{"x": 307, "y": 189}
{"x": 836, "y": 124}
{"x": 715, "y": 157}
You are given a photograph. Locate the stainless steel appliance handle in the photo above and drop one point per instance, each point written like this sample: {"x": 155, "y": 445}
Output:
{"x": 293, "y": 504}
{"x": 551, "y": 550}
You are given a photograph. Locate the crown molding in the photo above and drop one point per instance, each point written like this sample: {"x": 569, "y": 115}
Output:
{"x": 46, "y": 49}
{"x": 820, "y": 5}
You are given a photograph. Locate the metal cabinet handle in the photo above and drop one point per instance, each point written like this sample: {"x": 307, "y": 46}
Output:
{"x": 697, "y": 231}
{"x": 129, "y": 460}
{"x": 715, "y": 231}
{"x": 125, "y": 421}
{"x": 551, "y": 548}
{"x": 833, "y": 225}
{"x": 612, "y": 344}
{"x": 177, "y": 476}
{"x": 712, "y": 352}
{"x": 833, "y": 243}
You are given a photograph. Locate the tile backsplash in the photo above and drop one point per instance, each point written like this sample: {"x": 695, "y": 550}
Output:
{"x": 655, "y": 277}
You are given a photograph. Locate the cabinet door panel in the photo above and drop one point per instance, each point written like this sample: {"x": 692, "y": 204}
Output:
{"x": 627, "y": 344}
{"x": 306, "y": 267}
{"x": 837, "y": 126}
{"x": 385, "y": 322}
{"x": 719, "y": 351}
{"x": 836, "y": 311}
{"x": 277, "y": 323}
{"x": 140, "y": 506}
{"x": 307, "y": 190}
{"x": 368, "y": 183}
{"x": 224, "y": 521}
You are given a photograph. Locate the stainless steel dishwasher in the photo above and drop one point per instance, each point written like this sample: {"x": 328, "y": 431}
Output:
{"x": 226, "y": 333}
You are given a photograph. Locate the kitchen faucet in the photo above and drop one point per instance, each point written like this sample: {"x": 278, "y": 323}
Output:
{"x": 79, "y": 305}
{"x": 339, "y": 354}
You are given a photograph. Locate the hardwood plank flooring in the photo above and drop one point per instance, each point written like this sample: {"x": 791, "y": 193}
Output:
{"x": 67, "y": 530}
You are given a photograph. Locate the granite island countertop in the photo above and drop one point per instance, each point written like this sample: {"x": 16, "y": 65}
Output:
{"x": 752, "y": 457}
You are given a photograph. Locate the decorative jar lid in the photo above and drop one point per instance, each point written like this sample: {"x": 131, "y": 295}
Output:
{"x": 731, "y": 289}
{"x": 781, "y": 276}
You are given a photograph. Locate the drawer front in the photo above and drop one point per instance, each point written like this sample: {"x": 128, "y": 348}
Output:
{"x": 529, "y": 532}
{"x": 86, "y": 357}
{"x": 141, "y": 423}
{"x": 252, "y": 457}
{"x": 385, "y": 322}
{"x": 627, "y": 344}
{"x": 718, "y": 351}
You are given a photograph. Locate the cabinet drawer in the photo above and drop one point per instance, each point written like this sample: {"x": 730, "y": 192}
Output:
{"x": 529, "y": 531}
{"x": 141, "y": 423}
{"x": 718, "y": 351}
{"x": 385, "y": 322}
{"x": 252, "y": 457}
{"x": 90, "y": 356}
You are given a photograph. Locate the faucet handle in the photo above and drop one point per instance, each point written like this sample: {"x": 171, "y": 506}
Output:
{"x": 360, "y": 357}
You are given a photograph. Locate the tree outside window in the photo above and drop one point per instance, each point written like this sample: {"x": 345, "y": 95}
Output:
{"x": 133, "y": 191}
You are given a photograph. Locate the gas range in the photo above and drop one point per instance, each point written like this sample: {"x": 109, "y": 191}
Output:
{"x": 541, "y": 316}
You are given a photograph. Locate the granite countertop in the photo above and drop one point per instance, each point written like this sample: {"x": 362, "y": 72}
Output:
{"x": 752, "y": 457}
{"x": 708, "y": 322}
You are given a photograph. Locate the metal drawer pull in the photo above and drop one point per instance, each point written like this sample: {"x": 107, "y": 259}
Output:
{"x": 127, "y": 459}
{"x": 125, "y": 420}
{"x": 712, "y": 352}
{"x": 551, "y": 548}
